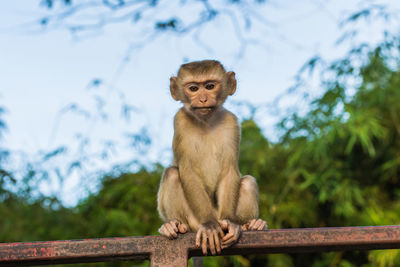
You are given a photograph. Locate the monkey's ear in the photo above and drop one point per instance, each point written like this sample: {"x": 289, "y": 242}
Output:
{"x": 173, "y": 87}
{"x": 231, "y": 82}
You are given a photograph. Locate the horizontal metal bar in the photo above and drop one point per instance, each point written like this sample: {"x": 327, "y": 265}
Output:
{"x": 315, "y": 240}
{"x": 164, "y": 252}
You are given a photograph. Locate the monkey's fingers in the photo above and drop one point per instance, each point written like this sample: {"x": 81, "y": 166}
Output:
{"x": 232, "y": 236}
{"x": 217, "y": 242}
{"x": 204, "y": 242}
{"x": 224, "y": 225}
{"x": 211, "y": 244}
{"x": 182, "y": 228}
{"x": 227, "y": 237}
{"x": 229, "y": 242}
{"x": 198, "y": 238}
{"x": 221, "y": 233}
{"x": 232, "y": 240}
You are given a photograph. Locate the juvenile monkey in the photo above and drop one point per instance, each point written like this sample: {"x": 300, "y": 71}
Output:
{"x": 203, "y": 191}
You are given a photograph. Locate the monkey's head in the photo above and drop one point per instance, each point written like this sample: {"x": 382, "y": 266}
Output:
{"x": 202, "y": 86}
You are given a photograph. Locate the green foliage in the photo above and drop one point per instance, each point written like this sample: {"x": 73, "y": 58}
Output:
{"x": 341, "y": 160}
{"x": 125, "y": 206}
{"x": 42, "y": 220}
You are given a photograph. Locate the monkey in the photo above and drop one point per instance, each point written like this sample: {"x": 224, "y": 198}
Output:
{"x": 203, "y": 190}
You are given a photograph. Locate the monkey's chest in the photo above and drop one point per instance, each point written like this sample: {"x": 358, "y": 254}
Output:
{"x": 209, "y": 157}
{"x": 206, "y": 156}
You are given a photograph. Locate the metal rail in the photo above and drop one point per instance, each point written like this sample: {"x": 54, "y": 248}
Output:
{"x": 164, "y": 252}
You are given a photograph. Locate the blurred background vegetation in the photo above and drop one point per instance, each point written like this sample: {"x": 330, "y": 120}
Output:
{"x": 337, "y": 164}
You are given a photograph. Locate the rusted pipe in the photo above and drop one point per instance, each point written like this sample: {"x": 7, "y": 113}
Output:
{"x": 164, "y": 252}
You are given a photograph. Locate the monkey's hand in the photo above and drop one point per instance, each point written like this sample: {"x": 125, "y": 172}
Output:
{"x": 212, "y": 232}
{"x": 172, "y": 228}
{"x": 255, "y": 225}
{"x": 233, "y": 233}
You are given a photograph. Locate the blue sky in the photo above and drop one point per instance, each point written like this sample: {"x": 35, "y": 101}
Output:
{"x": 42, "y": 72}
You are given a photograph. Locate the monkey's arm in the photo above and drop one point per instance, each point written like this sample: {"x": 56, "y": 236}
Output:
{"x": 196, "y": 196}
{"x": 229, "y": 185}
{"x": 209, "y": 232}
{"x": 228, "y": 194}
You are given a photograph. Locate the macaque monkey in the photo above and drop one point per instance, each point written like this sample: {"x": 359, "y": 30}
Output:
{"x": 203, "y": 191}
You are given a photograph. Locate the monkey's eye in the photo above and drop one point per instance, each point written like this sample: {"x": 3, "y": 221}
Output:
{"x": 193, "y": 88}
{"x": 210, "y": 86}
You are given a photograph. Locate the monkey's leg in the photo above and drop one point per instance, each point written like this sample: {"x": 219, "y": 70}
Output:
{"x": 172, "y": 204}
{"x": 247, "y": 209}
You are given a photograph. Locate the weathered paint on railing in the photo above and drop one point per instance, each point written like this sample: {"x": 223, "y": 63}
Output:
{"x": 164, "y": 252}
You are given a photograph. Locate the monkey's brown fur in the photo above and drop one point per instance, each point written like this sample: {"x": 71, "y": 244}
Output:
{"x": 203, "y": 190}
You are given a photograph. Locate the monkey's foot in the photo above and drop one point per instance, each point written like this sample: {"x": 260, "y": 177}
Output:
{"x": 255, "y": 225}
{"x": 172, "y": 228}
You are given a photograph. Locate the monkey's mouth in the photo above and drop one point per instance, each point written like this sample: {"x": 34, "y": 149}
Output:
{"x": 203, "y": 110}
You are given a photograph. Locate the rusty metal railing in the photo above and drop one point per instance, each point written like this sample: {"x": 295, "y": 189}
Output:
{"x": 164, "y": 252}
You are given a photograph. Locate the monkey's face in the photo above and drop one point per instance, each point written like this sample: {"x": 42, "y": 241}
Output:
{"x": 202, "y": 95}
{"x": 203, "y": 90}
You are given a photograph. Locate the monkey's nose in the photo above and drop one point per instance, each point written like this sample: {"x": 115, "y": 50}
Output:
{"x": 203, "y": 99}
